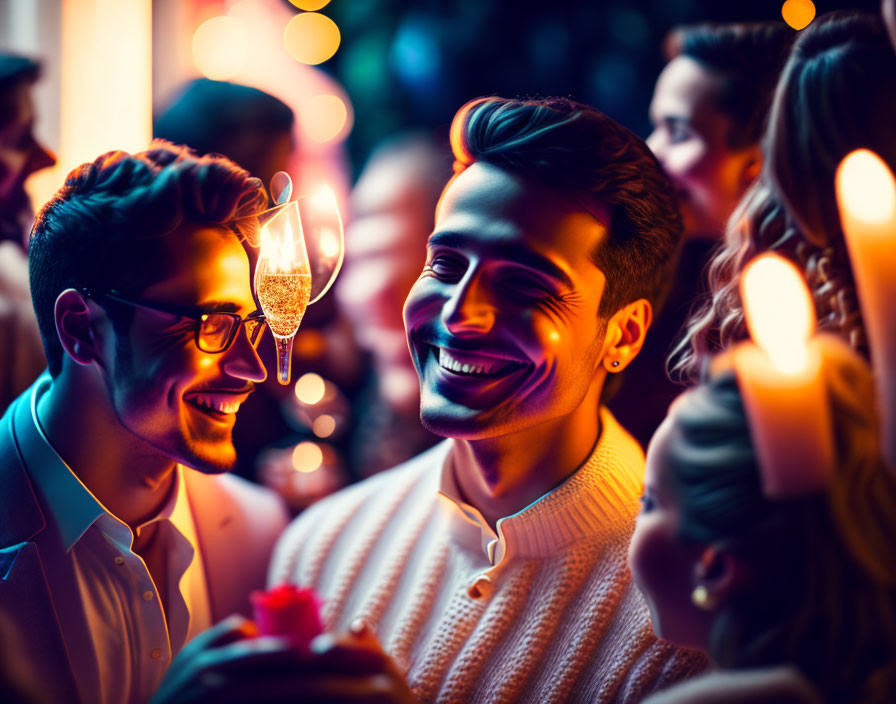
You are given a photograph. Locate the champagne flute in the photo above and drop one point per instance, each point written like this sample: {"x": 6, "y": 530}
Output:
{"x": 324, "y": 239}
{"x": 283, "y": 279}
{"x": 287, "y": 279}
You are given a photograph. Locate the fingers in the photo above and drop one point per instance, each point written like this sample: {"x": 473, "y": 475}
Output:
{"x": 231, "y": 629}
{"x": 261, "y": 655}
{"x": 346, "y": 654}
{"x": 302, "y": 689}
{"x": 374, "y": 689}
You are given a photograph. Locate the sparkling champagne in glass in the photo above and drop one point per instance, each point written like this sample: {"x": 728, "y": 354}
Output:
{"x": 283, "y": 279}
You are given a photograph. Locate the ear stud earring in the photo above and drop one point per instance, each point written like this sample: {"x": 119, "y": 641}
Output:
{"x": 701, "y": 598}
{"x": 614, "y": 363}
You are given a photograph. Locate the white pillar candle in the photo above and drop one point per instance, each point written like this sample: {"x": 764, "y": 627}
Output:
{"x": 866, "y": 196}
{"x": 779, "y": 376}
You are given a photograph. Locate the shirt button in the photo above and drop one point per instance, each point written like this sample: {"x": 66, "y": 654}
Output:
{"x": 155, "y": 654}
{"x": 481, "y": 588}
{"x": 147, "y": 595}
{"x": 119, "y": 560}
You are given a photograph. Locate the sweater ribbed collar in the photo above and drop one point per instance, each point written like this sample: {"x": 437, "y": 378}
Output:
{"x": 597, "y": 501}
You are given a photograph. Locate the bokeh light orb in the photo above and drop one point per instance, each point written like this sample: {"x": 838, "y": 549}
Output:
{"x": 324, "y": 425}
{"x": 798, "y": 13}
{"x": 310, "y": 388}
{"x": 220, "y": 47}
{"x": 311, "y": 38}
{"x": 323, "y": 117}
{"x": 307, "y": 457}
{"x": 310, "y": 5}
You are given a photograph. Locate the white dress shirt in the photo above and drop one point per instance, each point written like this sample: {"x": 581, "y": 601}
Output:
{"x": 117, "y": 634}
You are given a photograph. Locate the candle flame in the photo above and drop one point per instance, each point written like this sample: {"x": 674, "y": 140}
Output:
{"x": 779, "y": 310}
{"x": 866, "y": 188}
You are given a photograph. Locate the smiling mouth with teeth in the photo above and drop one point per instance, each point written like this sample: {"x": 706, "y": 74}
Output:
{"x": 468, "y": 364}
{"x": 222, "y": 404}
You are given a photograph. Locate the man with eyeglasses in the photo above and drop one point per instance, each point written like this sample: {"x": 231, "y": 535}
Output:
{"x": 121, "y": 535}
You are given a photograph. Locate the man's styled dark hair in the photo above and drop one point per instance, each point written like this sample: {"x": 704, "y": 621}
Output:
{"x": 748, "y": 57}
{"x": 89, "y": 233}
{"x": 581, "y": 152}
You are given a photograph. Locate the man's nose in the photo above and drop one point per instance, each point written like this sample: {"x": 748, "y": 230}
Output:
{"x": 241, "y": 361}
{"x": 469, "y": 310}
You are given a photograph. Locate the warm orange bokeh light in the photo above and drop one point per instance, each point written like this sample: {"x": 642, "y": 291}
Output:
{"x": 779, "y": 310}
{"x": 323, "y": 118}
{"x": 798, "y": 13}
{"x": 311, "y": 38}
{"x": 323, "y": 426}
{"x": 866, "y": 188}
{"x": 310, "y": 389}
{"x": 220, "y": 47}
{"x": 307, "y": 457}
{"x": 310, "y": 5}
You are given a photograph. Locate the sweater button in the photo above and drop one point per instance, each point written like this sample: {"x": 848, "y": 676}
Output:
{"x": 481, "y": 588}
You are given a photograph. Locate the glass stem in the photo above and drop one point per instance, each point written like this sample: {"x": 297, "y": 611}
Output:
{"x": 284, "y": 357}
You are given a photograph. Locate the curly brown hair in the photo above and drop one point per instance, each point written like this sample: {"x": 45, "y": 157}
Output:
{"x": 837, "y": 93}
{"x": 84, "y": 236}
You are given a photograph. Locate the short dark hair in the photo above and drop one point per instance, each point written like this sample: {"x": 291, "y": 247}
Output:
{"x": 87, "y": 234}
{"x": 748, "y": 57}
{"x": 211, "y": 116}
{"x": 578, "y": 150}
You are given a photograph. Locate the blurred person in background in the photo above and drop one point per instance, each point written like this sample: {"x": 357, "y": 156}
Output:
{"x": 21, "y": 353}
{"x": 837, "y": 93}
{"x": 708, "y": 110}
{"x": 392, "y": 206}
{"x": 888, "y": 10}
{"x": 793, "y": 598}
{"x": 247, "y": 125}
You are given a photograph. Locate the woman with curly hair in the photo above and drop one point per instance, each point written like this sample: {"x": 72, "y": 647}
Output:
{"x": 837, "y": 93}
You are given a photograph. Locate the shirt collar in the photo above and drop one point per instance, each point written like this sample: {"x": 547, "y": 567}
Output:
{"x": 71, "y": 504}
{"x": 599, "y": 499}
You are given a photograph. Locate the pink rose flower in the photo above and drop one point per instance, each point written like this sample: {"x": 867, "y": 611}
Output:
{"x": 288, "y": 611}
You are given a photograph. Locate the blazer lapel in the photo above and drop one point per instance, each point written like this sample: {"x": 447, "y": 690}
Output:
{"x": 217, "y": 529}
{"x": 26, "y": 605}
{"x": 20, "y": 515}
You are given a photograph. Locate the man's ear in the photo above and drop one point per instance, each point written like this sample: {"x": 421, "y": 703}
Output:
{"x": 74, "y": 327}
{"x": 626, "y": 332}
{"x": 718, "y": 574}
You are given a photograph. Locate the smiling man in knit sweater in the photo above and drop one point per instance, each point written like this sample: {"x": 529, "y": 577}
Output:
{"x": 492, "y": 568}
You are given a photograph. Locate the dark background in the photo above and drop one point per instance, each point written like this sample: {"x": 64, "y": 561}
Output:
{"x": 409, "y": 64}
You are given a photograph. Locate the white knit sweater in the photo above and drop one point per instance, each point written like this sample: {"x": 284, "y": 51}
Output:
{"x": 543, "y": 611}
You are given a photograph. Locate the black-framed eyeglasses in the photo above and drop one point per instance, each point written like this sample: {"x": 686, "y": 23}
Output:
{"x": 215, "y": 330}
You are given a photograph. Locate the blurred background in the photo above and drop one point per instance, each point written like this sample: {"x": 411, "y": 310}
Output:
{"x": 356, "y": 95}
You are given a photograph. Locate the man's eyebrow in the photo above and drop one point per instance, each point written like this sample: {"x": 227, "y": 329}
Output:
{"x": 505, "y": 250}
{"x": 219, "y": 307}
